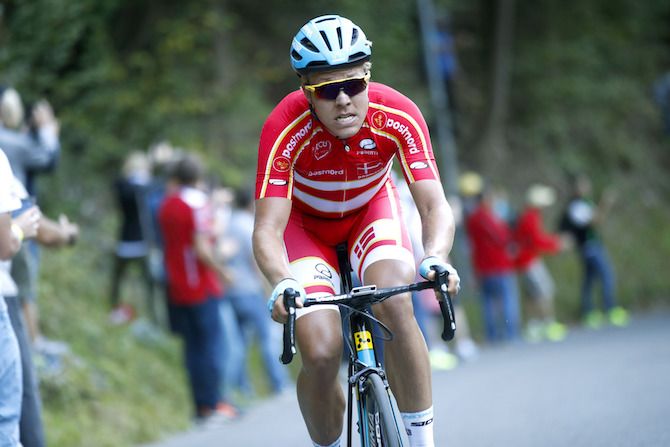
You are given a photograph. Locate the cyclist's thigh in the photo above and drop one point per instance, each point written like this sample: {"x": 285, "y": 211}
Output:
{"x": 388, "y": 273}
{"x": 312, "y": 262}
{"x": 381, "y": 235}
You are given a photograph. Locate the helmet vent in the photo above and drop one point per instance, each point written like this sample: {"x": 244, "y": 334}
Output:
{"x": 354, "y": 36}
{"x": 296, "y": 55}
{"x": 358, "y": 56}
{"x": 325, "y": 39}
{"x": 305, "y": 42}
{"x": 328, "y": 42}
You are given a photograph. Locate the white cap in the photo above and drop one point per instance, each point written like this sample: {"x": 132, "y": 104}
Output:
{"x": 540, "y": 195}
{"x": 11, "y": 109}
{"x": 470, "y": 184}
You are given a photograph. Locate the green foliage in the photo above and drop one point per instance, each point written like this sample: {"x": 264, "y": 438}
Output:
{"x": 124, "y": 74}
{"x": 583, "y": 84}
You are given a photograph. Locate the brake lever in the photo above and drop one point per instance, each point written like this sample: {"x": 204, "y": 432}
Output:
{"x": 446, "y": 305}
{"x": 289, "y": 328}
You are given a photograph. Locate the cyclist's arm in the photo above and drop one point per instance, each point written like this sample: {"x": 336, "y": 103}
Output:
{"x": 272, "y": 215}
{"x": 437, "y": 219}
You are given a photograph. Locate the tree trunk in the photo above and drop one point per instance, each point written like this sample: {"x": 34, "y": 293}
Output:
{"x": 493, "y": 145}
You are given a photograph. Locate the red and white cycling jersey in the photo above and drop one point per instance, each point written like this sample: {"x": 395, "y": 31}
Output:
{"x": 328, "y": 177}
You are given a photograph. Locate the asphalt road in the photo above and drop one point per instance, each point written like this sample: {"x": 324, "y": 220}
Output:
{"x": 609, "y": 387}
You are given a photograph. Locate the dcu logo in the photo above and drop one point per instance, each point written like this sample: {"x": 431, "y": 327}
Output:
{"x": 281, "y": 164}
{"x": 321, "y": 149}
{"x": 378, "y": 119}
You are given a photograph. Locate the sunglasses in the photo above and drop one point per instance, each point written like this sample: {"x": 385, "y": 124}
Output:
{"x": 331, "y": 89}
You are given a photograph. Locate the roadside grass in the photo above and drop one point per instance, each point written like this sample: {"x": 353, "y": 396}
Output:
{"x": 120, "y": 386}
{"x": 123, "y": 385}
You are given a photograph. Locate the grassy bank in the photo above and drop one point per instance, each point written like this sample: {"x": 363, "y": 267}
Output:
{"x": 122, "y": 385}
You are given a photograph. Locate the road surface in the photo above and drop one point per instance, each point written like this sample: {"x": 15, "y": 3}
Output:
{"x": 609, "y": 387}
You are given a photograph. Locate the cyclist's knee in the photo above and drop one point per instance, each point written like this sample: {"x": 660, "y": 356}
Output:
{"x": 319, "y": 337}
{"x": 389, "y": 273}
{"x": 320, "y": 364}
{"x": 321, "y": 360}
{"x": 395, "y": 312}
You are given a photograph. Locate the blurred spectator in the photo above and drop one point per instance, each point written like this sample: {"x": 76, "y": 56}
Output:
{"x": 161, "y": 157}
{"x": 491, "y": 244}
{"x": 581, "y": 220}
{"x": 533, "y": 242}
{"x": 30, "y": 146}
{"x": 132, "y": 247}
{"x": 232, "y": 354}
{"x": 447, "y": 61}
{"x": 25, "y": 273}
{"x": 194, "y": 285}
{"x": 27, "y": 150}
{"x": 500, "y": 204}
{"x": 426, "y": 308}
{"x": 661, "y": 91}
{"x": 31, "y": 428}
{"x": 247, "y": 295}
{"x": 12, "y": 235}
{"x": 50, "y": 233}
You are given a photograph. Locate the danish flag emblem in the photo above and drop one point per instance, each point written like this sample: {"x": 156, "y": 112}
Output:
{"x": 366, "y": 169}
{"x": 365, "y": 239}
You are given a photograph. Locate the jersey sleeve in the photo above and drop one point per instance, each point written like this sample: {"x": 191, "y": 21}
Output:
{"x": 283, "y": 133}
{"x": 400, "y": 118}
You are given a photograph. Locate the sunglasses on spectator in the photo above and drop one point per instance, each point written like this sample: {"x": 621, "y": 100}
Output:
{"x": 331, "y": 89}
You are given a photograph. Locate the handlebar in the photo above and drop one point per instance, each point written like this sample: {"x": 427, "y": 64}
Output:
{"x": 360, "y": 297}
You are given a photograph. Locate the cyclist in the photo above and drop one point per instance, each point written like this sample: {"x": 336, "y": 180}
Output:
{"x": 324, "y": 165}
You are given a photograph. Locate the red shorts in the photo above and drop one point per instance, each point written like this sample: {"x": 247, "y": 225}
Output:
{"x": 373, "y": 233}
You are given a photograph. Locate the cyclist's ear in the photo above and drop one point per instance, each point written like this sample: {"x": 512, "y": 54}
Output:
{"x": 308, "y": 96}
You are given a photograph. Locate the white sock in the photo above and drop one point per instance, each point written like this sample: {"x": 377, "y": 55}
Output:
{"x": 419, "y": 428}
{"x": 334, "y": 444}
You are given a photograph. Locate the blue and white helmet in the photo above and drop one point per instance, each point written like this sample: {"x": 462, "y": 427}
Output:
{"x": 328, "y": 42}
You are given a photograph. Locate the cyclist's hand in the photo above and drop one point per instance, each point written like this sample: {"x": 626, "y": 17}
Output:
{"x": 276, "y": 301}
{"x": 425, "y": 270}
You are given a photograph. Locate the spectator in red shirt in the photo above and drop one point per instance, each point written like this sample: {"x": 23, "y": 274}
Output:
{"x": 490, "y": 243}
{"x": 532, "y": 243}
{"x": 194, "y": 284}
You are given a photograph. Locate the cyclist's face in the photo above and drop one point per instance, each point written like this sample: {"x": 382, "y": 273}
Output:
{"x": 344, "y": 115}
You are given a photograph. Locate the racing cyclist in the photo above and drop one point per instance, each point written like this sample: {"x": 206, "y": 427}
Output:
{"x": 324, "y": 164}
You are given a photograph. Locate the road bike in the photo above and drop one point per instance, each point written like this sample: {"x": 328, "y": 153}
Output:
{"x": 379, "y": 421}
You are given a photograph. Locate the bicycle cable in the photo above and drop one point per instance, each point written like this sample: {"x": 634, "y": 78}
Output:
{"x": 386, "y": 334}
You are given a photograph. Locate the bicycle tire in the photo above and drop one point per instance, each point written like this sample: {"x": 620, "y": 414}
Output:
{"x": 383, "y": 426}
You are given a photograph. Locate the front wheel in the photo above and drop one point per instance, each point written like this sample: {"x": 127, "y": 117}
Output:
{"x": 381, "y": 424}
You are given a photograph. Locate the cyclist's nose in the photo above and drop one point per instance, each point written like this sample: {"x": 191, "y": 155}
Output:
{"x": 342, "y": 98}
